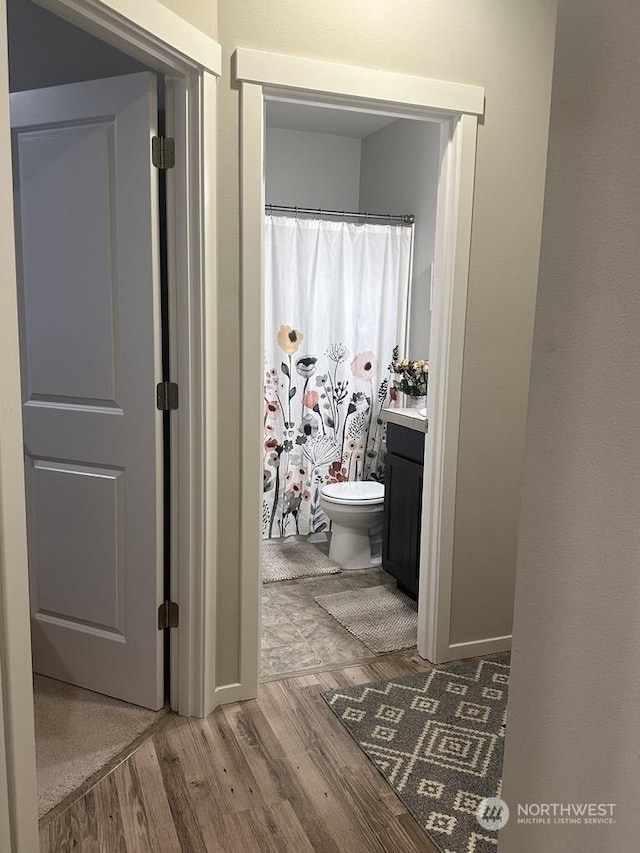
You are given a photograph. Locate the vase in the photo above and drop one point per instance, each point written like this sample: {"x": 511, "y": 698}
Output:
{"x": 414, "y": 402}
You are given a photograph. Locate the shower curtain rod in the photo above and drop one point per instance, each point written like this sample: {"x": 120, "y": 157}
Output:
{"x": 403, "y": 218}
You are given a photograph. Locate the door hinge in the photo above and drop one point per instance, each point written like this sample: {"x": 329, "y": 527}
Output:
{"x": 163, "y": 152}
{"x": 168, "y": 615}
{"x": 167, "y": 396}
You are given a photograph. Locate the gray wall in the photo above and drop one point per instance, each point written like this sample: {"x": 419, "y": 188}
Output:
{"x": 45, "y": 51}
{"x": 312, "y": 169}
{"x": 399, "y": 174}
{"x": 574, "y": 715}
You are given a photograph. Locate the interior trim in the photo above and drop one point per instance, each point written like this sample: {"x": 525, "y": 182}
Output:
{"x": 300, "y": 74}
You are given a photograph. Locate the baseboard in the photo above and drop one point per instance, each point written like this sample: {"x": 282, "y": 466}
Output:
{"x": 475, "y": 648}
{"x": 235, "y": 692}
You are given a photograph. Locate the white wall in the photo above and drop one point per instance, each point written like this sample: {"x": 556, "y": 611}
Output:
{"x": 312, "y": 169}
{"x": 399, "y": 174}
{"x": 574, "y": 713}
{"x": 45, "y": 51}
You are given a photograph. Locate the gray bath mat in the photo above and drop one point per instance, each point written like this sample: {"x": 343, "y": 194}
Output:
{"x": 294, "y": 557}
{"x": 437, "y": 738}
{"x": 381, "y": 617}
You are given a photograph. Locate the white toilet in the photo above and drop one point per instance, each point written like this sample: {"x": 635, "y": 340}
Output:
{"x": 355, "y": 508}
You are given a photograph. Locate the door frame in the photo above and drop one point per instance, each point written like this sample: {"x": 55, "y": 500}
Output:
{"x": 456, "y": 108}
{"x": 149, "y": 31}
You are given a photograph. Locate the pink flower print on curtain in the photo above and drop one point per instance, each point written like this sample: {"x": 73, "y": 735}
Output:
{"x": 333, "y": 297}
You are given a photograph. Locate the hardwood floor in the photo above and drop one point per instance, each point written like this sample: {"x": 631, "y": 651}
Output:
{"x": 278, "y": 774}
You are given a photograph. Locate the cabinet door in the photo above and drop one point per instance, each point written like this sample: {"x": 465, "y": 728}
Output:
{"x": 402, "y": 515}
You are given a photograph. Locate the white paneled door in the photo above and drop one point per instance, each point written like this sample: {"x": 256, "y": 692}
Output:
{"x": 86, "y": 205}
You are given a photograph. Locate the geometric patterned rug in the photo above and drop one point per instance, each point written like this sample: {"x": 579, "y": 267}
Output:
{"x": 293, "y": 557}
{"x": 437, "y": 737}
{"x": 381, "y": 617}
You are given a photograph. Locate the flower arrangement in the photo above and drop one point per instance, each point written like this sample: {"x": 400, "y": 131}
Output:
{"x": 413, "y": 377}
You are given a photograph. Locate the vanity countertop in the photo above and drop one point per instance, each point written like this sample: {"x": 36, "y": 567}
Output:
{"x": 410, "y": 418}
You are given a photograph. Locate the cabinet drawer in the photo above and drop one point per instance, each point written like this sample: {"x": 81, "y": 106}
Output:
{"x": 405, "y": 442}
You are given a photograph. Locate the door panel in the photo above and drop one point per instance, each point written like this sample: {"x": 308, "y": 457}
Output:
{"x": 74, "y": 553}
{"x": 87, "y": 247}
{"x": 78, "y": 244}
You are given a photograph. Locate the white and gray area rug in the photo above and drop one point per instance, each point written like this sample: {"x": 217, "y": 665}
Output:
{"x": 381, "y": 617}
{"x": 437, "y": 737}
{"x": 293, "y": 557}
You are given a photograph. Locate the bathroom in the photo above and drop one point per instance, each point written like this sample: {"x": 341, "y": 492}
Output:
{"x": 347, "y": 305}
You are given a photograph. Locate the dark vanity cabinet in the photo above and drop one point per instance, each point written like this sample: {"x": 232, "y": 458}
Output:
{"x": 403, "y": 506}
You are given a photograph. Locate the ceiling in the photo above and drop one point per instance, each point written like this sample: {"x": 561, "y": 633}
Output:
{"x": 289, "y": 115}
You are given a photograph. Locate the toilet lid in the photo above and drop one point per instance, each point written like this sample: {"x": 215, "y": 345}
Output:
{"x": 354, "y": 492}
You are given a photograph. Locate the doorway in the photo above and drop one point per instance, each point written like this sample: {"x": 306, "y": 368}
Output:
{"x": 347, "y": 295}
{"x": 90, "y": 285}
{"x": 168, "y": 46}
{"x": 455, "y": 109}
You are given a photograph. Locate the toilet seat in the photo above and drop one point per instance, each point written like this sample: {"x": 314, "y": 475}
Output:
{"x": 355, "y": 510}
{"x": 357, "y": 493}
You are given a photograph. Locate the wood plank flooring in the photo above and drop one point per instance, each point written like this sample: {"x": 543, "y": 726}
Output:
{"x": 271, "y": 775}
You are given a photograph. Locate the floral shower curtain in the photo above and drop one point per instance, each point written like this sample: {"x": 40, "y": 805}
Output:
{"x": 336, "y": 301}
